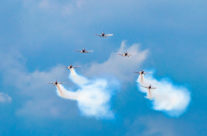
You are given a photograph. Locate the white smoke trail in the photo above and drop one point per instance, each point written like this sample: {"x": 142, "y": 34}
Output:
{"x": 93, "y": 97}
{"x": 64, "y": 93}
{"x": 166, "y": 97}
{"x": 77, "y": 79}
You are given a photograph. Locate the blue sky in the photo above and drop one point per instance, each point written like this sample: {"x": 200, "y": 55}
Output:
{"x": 38, "y": 37}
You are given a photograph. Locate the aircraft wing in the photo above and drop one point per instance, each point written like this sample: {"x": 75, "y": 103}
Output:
{"x": 52, "y": 83}
{"x": 144, "y": 86}
{"x": 78, "y": 50}
{"x": 107, "y": 35}
{"x": 120, "y": 54}
{"x": 147, "y": 72}
{"x": 89, "y": 51}
{"x": 98, "y": 35}
{"x": 76, "y": 66}
{"x": 66, "y": 67}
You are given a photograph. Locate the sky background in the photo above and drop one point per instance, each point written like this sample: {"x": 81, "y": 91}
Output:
{"x": 39, "y": 37}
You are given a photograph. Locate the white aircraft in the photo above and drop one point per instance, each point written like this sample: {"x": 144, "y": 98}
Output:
{"x": 141, "y": 75}
{"x": 71, "y": 67}
{"x": 149, "y": 95}
{"x": 142, "y": 72}
{"x": 125, "y": 54}
{"x": 84, "y": 51}
{"x": 103, "y": 35}
{"x": 55, "y": 83}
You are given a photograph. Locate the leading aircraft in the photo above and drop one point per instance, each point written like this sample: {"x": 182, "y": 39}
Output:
{"x": 84, "y": 51}
{"x": 103, "y": 35}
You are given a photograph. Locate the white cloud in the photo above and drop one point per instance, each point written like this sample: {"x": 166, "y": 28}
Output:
{"x": 122, "y": 68}
{"x": 33, "y": 89}
{"x": 41, "y": 100}
{"x": 55, "y": 6}
{"x": 5, "y": 98}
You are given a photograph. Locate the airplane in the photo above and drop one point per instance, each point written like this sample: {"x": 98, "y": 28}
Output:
{"x": 125, "y": 54}
{"x": 141, "y": 77}
{"x": 71, "y": 67}
{"x": 84, "y": 51}
{"x": 142, "y": 72}
{"x": 103, "y": 35}
{"x": 149, "y": 95}
{"x": 55, "y": 83}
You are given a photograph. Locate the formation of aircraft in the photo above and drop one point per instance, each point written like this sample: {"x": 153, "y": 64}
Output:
{"x": 141, "y": 82}
{"x": 124, "y": 54}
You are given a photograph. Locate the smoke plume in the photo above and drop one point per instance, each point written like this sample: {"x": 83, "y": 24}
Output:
{"x": 93, "y": 96}
{"x": 166, "y": 97}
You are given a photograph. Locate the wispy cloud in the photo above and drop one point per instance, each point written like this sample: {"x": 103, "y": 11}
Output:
{"x": 5, "y": 98}
{"x": 118, "y": 66}
{"x": 33, "y": 88}
{"x": 54, "y": 6}
{"x": 167, "y": 96}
